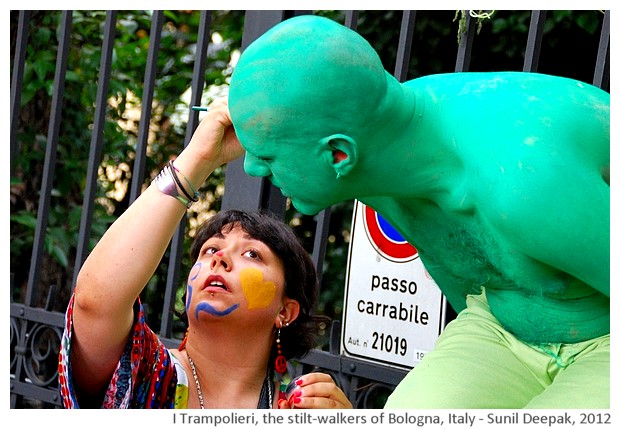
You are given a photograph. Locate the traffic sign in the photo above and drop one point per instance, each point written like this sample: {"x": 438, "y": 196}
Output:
{"x": 393, "y": 311}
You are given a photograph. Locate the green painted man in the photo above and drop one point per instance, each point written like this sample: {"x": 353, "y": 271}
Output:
{"x": 500, "y": 180}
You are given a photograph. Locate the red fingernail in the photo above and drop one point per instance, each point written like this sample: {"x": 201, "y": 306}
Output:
{"x": 297, "y": 399}
{"x": 299, "y": 382}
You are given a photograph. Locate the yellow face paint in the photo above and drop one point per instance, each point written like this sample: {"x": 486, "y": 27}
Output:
{"x": 259, "y": 294}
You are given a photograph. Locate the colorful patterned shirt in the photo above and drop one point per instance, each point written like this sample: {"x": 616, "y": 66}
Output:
{"x": 147, "y": 374}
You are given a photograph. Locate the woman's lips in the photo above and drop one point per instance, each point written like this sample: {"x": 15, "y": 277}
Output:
{"x": 216, "y": 283}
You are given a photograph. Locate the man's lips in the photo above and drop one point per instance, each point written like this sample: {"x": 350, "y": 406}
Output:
{"x": 216, "y": 283}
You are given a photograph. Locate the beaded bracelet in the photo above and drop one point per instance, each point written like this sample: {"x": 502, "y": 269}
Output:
{"x": 173, "y": 171}
{"x": 167, "y": 185}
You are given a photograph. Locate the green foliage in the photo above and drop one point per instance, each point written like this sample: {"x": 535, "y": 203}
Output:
{"x": 479, "y": 17}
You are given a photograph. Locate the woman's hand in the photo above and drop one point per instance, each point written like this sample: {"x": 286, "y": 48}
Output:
{"x": 214, "y": 143}
{"x": 316, "y": 390}
{"x": 215, "y": 136}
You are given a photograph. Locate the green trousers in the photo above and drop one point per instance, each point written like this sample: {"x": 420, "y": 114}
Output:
{"x": 477, "y": 364}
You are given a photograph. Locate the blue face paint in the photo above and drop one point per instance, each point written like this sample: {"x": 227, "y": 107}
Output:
{"x": 197, "y": 267}
{"x": 203, "y": 306}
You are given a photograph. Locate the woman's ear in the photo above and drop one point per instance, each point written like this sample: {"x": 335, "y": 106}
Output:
{"x": 288, "y": 313}
{"x": 340, "y": 152}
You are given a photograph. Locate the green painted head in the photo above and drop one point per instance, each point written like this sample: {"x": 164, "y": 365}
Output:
{"x": 301, "y": 98}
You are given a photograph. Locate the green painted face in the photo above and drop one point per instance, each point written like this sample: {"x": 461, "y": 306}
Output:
{"x": 282, "y": 122}
{"x": 295, "y": 169}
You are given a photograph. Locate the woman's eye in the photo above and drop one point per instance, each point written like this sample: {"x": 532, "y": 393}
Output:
{"x": 209, "y": 250}
{"x": 252, "y": 254}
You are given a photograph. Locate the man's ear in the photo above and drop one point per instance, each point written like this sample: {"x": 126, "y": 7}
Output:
{"x": 340, "y": 152}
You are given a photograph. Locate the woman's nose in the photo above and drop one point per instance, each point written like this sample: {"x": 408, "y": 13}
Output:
{"x": 220, "y": 258}
{"x": 256, "y": 167}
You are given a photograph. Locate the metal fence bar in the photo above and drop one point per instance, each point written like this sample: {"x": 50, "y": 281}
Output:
{"x": 33, "y": 290}
{"x": 463, "y": 56}
{"x": 350, "y": 19}
{"x": 534, "y": 40}
{"x": 403, "y": 54}
{"x": 17, "y": 78}
{"x": 27, "y": 390}
{"x": 601, "y": 70}
{"x": 139, "y": 165}
{"x": 320, "y": 241}
{"x": 198, "y": 74}
{"x": 96, "y": 143}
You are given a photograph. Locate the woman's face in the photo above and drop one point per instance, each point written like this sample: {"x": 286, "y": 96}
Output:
{"x": 235, "y": 274}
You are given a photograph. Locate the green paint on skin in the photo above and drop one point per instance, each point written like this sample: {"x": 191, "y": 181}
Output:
{"x": 259, "y": 294}
{"x": 500, "y": 180}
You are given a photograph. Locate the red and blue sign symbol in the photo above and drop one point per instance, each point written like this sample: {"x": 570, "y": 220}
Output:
{"x": 386, "y": 239}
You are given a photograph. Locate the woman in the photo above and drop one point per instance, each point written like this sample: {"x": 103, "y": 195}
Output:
{"x": 248, "y": 301}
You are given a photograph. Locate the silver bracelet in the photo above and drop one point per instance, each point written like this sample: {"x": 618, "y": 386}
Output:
{"x": 174, "y": 171}
{"x": 167, "y": 186}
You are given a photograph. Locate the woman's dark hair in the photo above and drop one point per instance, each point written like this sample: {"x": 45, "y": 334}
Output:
{"x": 300, "y": 278}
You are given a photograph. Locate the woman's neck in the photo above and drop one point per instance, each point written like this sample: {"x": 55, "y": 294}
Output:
{"x": 231, "y": 369}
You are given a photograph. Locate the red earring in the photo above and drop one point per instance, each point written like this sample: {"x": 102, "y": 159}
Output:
{"x": 184, "y": 342}
{"x": 280, "y": 362}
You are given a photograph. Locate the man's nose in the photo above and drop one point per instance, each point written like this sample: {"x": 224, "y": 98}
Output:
{"x": 253, "y": 166}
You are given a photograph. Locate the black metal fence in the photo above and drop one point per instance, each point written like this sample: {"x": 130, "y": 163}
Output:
{"x": 36, "y": 329}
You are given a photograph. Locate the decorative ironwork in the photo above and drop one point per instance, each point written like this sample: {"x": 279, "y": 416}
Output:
{"x": 41, "y": 363}
{"x": 34, "y": 360}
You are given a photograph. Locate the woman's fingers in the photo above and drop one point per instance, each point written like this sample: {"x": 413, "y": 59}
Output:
{"x": 318, "y": 390}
